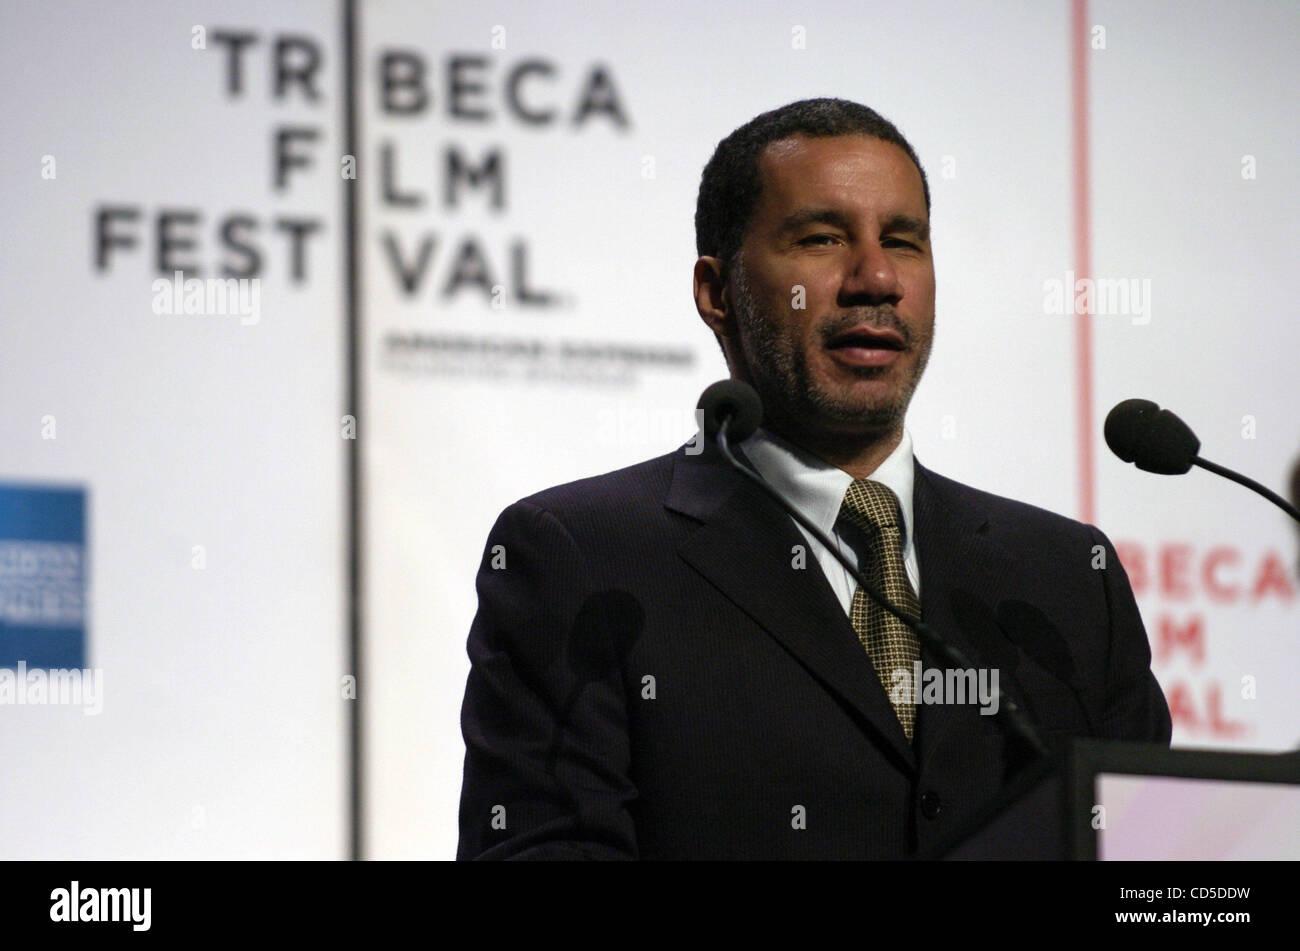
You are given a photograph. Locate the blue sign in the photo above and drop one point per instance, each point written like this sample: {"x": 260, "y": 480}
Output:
{"x": 42, "y": 577}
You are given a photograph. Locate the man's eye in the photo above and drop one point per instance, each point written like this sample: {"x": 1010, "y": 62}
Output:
{"x": 900, "y": 241}
{"x": 816, "y": 238}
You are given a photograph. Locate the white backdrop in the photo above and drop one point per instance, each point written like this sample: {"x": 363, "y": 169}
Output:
{"x": 547, "y": 333}
{"x": 983, "y": 92}
{"x": 201, "y": 439}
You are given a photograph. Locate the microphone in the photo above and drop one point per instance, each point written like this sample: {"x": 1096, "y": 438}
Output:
{"x": 733, "y": 410}
{"x": 732, "y": 402}
{"x": 1155, "y": 440}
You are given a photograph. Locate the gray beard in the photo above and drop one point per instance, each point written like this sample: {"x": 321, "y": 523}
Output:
{"x": 784, "y": 383}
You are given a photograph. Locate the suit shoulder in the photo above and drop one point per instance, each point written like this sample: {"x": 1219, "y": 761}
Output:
{"x": 610, "y": 494}
{"x": 1007, "y": 514}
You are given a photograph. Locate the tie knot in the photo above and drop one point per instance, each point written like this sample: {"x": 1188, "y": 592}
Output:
{"x": 870, "y": 505}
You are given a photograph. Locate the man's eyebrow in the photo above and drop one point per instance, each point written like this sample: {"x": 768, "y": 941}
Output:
{"x": 808, "y": 216}
{"x": 904, "y": 224}
{"x": 907, "y": 225}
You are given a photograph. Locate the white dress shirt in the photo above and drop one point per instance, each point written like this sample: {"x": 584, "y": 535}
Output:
{"x": 817, "y": 488}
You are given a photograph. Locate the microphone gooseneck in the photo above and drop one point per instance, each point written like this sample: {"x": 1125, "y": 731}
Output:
{"x": 734, "y": 409}
{"x": 1155, "y": 440}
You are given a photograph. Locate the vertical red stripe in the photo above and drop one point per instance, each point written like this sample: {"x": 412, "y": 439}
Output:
{"x": 1079, "y": 43}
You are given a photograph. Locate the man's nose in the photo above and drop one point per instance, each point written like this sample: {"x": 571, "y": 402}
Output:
{"x": 872, "y": 277}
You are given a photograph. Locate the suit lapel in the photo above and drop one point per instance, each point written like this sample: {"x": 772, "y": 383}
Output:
{"x": 962, "y": 572}
{"x": 744, "y": 547}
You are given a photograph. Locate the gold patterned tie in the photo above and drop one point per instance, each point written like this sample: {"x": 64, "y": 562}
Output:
{"x": 873, "y": 508}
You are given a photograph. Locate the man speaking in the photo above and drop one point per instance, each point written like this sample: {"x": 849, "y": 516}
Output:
{"x": 665, "y": 665}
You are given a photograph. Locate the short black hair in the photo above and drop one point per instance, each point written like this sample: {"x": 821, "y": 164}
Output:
{"x": 731, "y": 185}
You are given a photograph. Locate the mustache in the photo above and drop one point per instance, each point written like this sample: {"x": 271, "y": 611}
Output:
{"x": 881, "y": 318}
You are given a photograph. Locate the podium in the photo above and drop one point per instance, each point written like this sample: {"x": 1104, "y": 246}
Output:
{"x": 1094, "y": 799}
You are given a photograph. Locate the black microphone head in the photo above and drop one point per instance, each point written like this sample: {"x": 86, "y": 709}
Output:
{"x": 1170, "y": 447}
{"x": 1153, "y": 439}
{"x": 735, "y": 399}
{"x": 1125, "y": 425}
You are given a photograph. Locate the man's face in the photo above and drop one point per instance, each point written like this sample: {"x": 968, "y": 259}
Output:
{"x": 844, "y": 219}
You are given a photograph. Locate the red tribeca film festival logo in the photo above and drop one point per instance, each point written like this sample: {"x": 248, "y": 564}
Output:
{"x": 1180, "y": 573}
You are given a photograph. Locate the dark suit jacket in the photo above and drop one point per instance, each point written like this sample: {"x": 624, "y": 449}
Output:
{"x": 656, "y": 674}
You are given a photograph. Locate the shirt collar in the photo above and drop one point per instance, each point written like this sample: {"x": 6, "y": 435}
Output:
{"x": 816, "y": 488}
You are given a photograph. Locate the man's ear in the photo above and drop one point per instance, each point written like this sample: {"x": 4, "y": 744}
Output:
{"x": 712, "y": 300}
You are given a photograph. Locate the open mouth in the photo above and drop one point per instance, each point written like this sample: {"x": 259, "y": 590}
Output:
{"x": 866, "y": 338}
{"x": 864, "y": 346}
